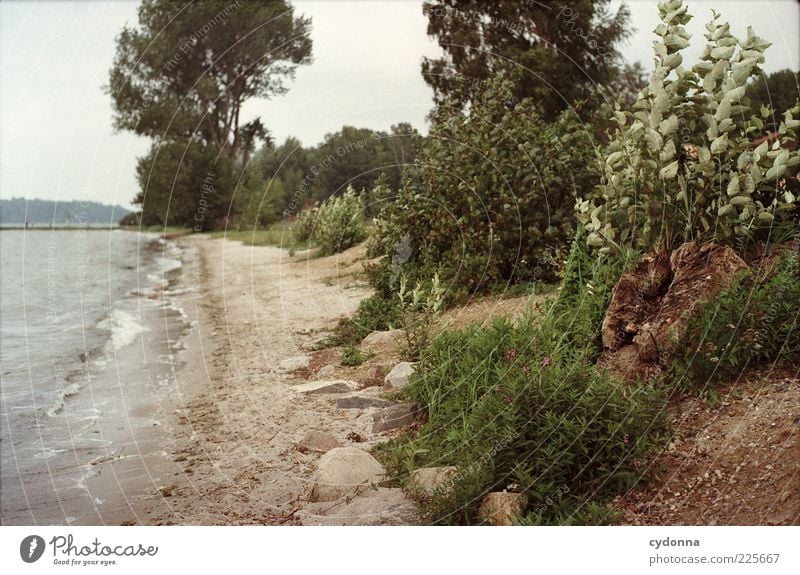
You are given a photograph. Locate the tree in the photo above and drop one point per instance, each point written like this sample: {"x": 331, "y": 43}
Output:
{"x": 183, "y": 184}
{"x": 187, "y": 69}
{"x": 779, "y": 91}
{"x": 564, "y": 49}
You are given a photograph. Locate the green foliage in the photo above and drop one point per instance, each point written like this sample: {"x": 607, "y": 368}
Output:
{"x": 523, "y": 407}
{"x": 376, "y": 313}
{"x": 304, "y": 227}
{"x": 681, "y": 167}
{"x": 586, "y": 288}
{"x": 183, "y": 185}
{"x": 756, "y": 320}
{"x": 418, "y": 310}
{"x": 481, "y": 39}
{"x": 353, "y": 356}
{"x": 339, "y": 223}
{"x": 181, "y": 78}
{"x": 490, "y": 198}
{"x": 777, "y": 91}
{"x": 183, "y": 74}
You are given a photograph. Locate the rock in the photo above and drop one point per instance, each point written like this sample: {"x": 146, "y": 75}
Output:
{"x": 294, "y": 363}
{"x": 361, "y": 402}
{"x": 394, "y": 417}
{"x": 499, "y": 508}
{"x": 332, "y": 386}
{"x": 341, "y": 471}
{"x": 318, "y": 442}
{"x": 428, "y": 481}
{"x": 327, "y": 371}
{"x": 381, "y": 340}
{"x": 651, "y": 306}
{"x": 376, "y": 373}
{"x": 399, "y": 375}
{"x": 381, "y": 506}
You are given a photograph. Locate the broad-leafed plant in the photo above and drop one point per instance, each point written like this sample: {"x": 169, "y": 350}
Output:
{"x": 687, "y": 164}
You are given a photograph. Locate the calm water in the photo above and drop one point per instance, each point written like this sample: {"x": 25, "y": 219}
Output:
{"x": 88, "y": 339}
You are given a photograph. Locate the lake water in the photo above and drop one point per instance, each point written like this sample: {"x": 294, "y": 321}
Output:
{"x": 89, "y": 340}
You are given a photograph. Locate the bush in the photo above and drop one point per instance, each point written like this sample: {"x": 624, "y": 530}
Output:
{"x": 418, "y": 310}
{"x": 521, "y": 407}
{"x": 339, "y": 223}
{"x": 353, "y": 356}
{"x": 491, "y": 194}
{"x": 376, "y": 313}
{"x": 681, "y": 167}
{"x": 304, "y": 226}
{"x": 756, "y": 320}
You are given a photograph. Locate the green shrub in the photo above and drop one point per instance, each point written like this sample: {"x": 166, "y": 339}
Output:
{"x": 339, "y": 223}
{"x": 521, "y": 407}
{"x": 304, "y": 226}
{"x": 376, "y": 313}
{"x": 353, "y": 356}
{"x": 756, "y": 320}
{"x": 681, "y": 167}
{"x": 418, "y": 310}
{"x": 490, "y": 198}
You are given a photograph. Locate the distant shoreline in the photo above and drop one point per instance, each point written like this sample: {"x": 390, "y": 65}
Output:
{"x": 46, "y": 227}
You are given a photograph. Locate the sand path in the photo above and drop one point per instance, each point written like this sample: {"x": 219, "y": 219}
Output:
{"x": 239, "y": 417}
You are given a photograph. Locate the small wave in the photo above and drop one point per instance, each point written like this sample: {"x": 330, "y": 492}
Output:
{"x": 123, "y": 328}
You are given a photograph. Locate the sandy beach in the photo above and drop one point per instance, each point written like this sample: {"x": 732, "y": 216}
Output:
{"x": 236, "y": 418}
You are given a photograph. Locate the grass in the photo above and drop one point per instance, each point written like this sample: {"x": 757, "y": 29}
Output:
{"x": 522, "y": 406}
{"x": 164, "y": 230}
{"x": 280, "y": 234}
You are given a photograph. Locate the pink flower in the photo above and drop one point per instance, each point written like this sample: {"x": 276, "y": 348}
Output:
{"x": 526, "y": 370}
{"x": 626, "y": 439}
{"x": 546, "y": 362}
{"x": 511, "y": 354}
{"x": 636, "y": 464}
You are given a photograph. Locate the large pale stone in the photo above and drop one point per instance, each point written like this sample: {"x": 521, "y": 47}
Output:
{"x": 381, "y": 506}
{"x": 430, "y": 481}
{"x": 381, "y": 340}
{"x": 294, "y": 363}
{"x": 499, "y": 508}
{"x": 333, "y": 386}
{"x": 399, "y": 375}
{"x": 342, "y": 471}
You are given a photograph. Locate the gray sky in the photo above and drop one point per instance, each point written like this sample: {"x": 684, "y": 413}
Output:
{"x": 56, "y": 140}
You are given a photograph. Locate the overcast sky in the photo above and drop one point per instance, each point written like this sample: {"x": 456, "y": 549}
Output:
{"x": 56, "y": 140}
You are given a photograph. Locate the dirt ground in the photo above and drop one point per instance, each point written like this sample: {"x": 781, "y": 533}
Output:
{"x": 734, "y": 463}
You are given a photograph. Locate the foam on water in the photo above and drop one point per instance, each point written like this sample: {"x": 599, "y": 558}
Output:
{"x": 123, "y": 327}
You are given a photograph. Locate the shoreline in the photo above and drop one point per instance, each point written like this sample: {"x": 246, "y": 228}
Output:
{"x": 234, "y": 417}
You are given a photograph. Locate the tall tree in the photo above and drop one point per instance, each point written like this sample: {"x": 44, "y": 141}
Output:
{"x": 187, "y": 68}
{"x": 560, "y": 50}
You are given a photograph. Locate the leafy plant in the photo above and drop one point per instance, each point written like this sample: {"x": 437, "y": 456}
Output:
{"x": 491, "y": 194}
{"x": 339, "y": 223}
{"x": 681, "y": 166}
{"x": 756, "y": 320}
{"x": 353, "y": 356}
{"x": 522, "y": 407}
{"x": 418, "y": 310}
{"x": 304, "y": 226}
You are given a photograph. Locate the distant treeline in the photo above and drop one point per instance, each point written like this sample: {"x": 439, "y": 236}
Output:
{"x": 21, "y": 210}
{"x": 186, "y": 185}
